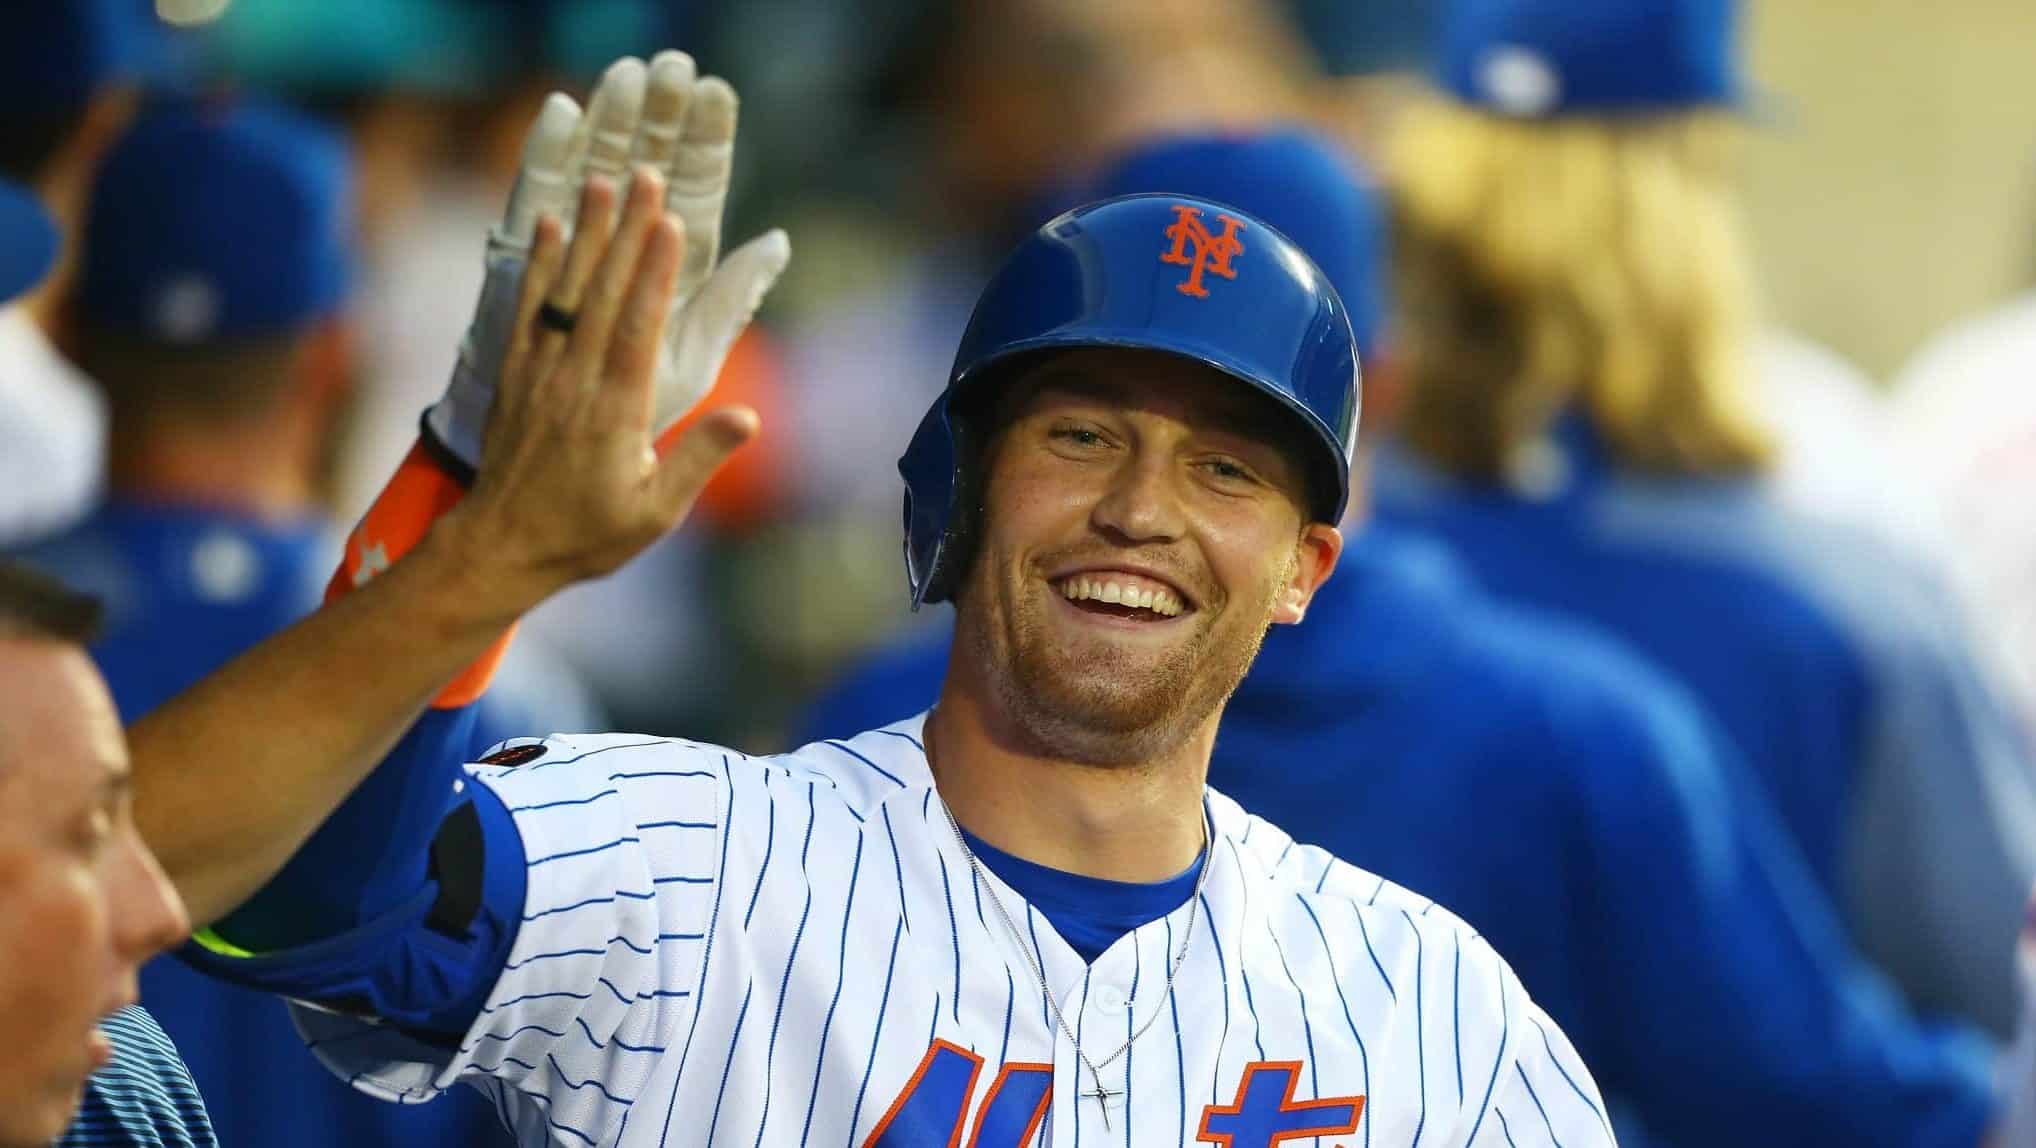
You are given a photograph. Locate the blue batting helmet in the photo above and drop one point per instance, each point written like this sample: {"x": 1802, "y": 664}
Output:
{"x": 1168, "y": 273}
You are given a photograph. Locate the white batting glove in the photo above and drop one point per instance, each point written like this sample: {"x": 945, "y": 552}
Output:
{"x": 663, "y": 116}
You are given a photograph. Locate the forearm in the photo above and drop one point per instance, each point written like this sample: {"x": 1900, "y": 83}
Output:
{"x": 232, "y": 776}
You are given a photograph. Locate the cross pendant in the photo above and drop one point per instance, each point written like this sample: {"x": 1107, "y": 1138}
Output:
{"x": 1102, "y": 1097}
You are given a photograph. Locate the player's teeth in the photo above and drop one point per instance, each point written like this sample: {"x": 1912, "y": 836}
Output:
{"x": 1157, "y": 599}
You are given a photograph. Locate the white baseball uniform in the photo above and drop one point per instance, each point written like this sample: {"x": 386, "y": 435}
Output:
{"x": 719, "y": 949}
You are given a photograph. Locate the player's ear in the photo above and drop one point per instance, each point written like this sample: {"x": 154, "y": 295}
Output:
{"x": 1315, "y": 555}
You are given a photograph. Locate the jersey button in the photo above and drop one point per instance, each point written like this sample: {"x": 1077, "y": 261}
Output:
{"x": 1108, "y": 998}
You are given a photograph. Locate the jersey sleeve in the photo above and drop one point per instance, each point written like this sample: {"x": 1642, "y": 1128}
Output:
{"x": 621, "y": 839}
{"x": 1544, "y": 1097}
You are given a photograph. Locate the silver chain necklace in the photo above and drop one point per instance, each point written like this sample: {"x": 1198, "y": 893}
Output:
{"x": 1100, "y": 1094}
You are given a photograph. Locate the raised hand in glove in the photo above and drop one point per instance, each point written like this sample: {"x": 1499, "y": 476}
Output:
{"x": 663, "y": 117}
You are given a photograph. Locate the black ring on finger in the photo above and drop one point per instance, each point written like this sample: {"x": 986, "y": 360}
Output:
{"x": 554, "y": 317}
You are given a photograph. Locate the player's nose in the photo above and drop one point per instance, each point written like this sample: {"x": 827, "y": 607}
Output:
{"x": 149, "y": 914}
{"x": 1142, "y": 503}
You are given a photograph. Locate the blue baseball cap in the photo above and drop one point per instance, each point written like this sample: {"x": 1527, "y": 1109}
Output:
{"x": 1301, "y": 183}
{"x": 28, "y": 240}
{"x": 218, "y": 221}
{"x": 59, "y": 54}
{"x": 1539, "y": 59}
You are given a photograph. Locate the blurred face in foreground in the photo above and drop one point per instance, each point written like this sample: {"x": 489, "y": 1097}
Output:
{"x": 82, "y": 901}
{"x": 1144, "y": 522}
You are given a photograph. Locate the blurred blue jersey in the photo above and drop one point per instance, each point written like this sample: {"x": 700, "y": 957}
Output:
{"x": 1836, "y": 665}
{"x": 186, "y": 590}
{"x": 1574, "y": 807}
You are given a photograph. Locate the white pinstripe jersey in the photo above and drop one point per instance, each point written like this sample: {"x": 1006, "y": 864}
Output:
{"x": 793, "y": 951}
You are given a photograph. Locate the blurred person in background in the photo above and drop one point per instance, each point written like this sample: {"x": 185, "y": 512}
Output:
{"x": 211, "y": 307}
{"x": 67, "y": 85}
{"x": 1579, "y": 423}
{"x": 1965, "y": 410}
{"x": 1695, "y": 963}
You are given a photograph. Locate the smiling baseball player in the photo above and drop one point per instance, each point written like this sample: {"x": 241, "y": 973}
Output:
{"x": 1021, "y": 918}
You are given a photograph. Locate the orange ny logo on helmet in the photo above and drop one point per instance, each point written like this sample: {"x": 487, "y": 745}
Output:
{"x": 1213, "y": 253}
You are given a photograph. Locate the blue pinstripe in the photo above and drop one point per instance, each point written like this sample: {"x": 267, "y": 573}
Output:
{"x": 1137, "y": 971}
{"x": 1420, "y": 1027}
{"x": 1301, "y": 998}
{"x": 1045, "y": 1007}
{"x": 590, "y": 1082}
{"x": 770, "y": 842}
{"x": 1010, "y": 1006}
{"x": 1545, "y": 1123}
{"x": 876, "y": 1041}
{"x": 609, "y": 900}
{"x": 1498, "y": 1059}
{"x": 1363, "y": 1054}
{"x": 1223, "y": 977}
{"x": 1080, "y": 1018}
{"x": 906, "y": 736}
{"x": 1180, "y": 1051}
{"x": 1567, "y": 1078}
{"x": 897, "y": 870}
{"x": 706, "y": 962}
{"x": 603, "y": 848}
{"x": 791, "y": 959}
{"x": 616, "y": 1041}
{"x": 840, "y": 979}
{"x": 1456, "y": 1011}
{"x": 1250, "y": 1005}
{"x": 1365, "y": 932}
{"x": 485, "y": 1010}
{"x": 728, "y": 1065}
{"x": 954, "y": 930}
{"x": 510, "y": 1035}
{"x": 887, "y": 774}
{"x": 664, "y": 773}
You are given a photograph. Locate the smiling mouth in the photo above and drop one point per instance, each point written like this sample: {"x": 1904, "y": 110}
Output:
{"x": 1119, "y": 595}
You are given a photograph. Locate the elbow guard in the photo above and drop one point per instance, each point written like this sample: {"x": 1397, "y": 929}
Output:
{"x": 427, "y": 964}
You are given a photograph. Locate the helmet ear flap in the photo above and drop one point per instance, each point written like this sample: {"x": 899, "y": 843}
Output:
{"x": 971, "y": 424}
